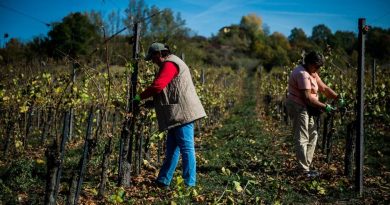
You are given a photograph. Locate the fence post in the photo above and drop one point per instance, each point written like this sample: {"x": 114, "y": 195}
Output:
{"x": 373, "y": 74}
{"x": 360, "y": 108}
{"x": 127, "y": 134}
{"x": 71, "y": 109}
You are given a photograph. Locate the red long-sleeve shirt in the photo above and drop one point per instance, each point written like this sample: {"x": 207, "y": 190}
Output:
{"x": 164, "y": 77}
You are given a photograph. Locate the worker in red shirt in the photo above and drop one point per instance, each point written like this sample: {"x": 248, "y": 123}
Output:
{"x": 177, "y": 107}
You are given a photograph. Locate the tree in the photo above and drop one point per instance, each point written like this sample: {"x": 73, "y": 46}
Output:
{"x": 96, "y": 19}
{"x": 281, "y": 47}
{"x": 114, "y": 22}
{"x": 13, "y": 51}
{"x": 298, "y": 39}
{"x": 36, "y": 51}
{"x": 74, "y": 36}
{"x": 278, "y": 39}
{"x": 234, "y": 38}
{"x": 244, "y": 45}
{"x": 137, "y": 11}
{"x": 345, "y": 40}
{"x": 157, "y": 25}
{"x": 321, "y": 35}
{"x": 299, "y": 43}
{"x": 164, "y": 26}
{"x": 252, "y": 23}
{"x": 378, "y": 44}
{"x": 263, "y": 51}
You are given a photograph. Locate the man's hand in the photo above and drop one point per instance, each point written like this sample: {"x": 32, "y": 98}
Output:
{"x": 137, "y": 98}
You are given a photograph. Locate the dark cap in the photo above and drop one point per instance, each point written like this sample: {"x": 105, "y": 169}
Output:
{"x": 155, "y": 47}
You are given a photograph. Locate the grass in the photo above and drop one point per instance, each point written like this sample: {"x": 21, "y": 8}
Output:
{"x": 246, "y": 159}
{"x": 255, "y": 151}
{"x": 251, "y": 155}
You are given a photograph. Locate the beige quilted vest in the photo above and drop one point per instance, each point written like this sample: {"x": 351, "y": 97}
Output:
{"x": 178, "y": 103}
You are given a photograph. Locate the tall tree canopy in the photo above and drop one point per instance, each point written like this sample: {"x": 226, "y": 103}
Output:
{"x": 137, "y": 11}
{"x": 378, "y": 44}
{"x": 252, "y": 23}
{"x": 165, "y": 26}
{"x": 345, "y": 40}
{"x": 298, "y": 39}
{"x": 321, "y": 35}
{"x": 74, "y": 36}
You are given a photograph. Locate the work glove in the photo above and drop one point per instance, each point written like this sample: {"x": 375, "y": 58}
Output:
{"x": 135, "y": 102}
{"x": 329, "y": 108}
{"x": 137, "y": 98}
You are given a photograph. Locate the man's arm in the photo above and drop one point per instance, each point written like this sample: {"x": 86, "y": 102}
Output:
{"x": 310, "y": 100}
{"x": 165, "y": 76}
{"x": 329, "y": 93}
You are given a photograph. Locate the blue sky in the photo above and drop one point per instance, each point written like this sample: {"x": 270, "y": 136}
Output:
{"x": 205, "y": 17}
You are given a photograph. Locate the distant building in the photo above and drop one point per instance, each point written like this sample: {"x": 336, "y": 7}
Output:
{"x": 225, "y": 29}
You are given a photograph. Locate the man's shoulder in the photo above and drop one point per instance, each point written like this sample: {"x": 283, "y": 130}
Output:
{"x": 300, "y": 71}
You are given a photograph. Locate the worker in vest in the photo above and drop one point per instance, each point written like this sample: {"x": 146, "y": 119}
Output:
{"x": 177, "y": 107}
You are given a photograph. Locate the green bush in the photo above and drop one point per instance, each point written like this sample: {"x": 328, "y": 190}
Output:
{"x": 21, "y": 177}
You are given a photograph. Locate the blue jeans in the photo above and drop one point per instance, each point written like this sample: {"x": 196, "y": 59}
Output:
{"x": 179, "y": 140}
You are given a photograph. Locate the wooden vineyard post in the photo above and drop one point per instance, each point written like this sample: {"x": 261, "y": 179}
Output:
{"x": 28, "y": 124}
{"x": 55, "y": 159}
{"x": 360, "y": 108}
{"x": 128, "y": 127}
{"x": 8, "y": 134}
{"x": 71, "y": 110}
{"x": 349, "y": 149}
{"x": 46, "y": 126}
{"x": 373, "y": 74}
{"x": 77, "y": 179}
{"x": 105, "y": 166}
{"x": 64, "y": 140}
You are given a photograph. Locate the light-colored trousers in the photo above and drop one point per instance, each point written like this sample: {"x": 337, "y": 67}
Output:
{"x": 304, "y": 132}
